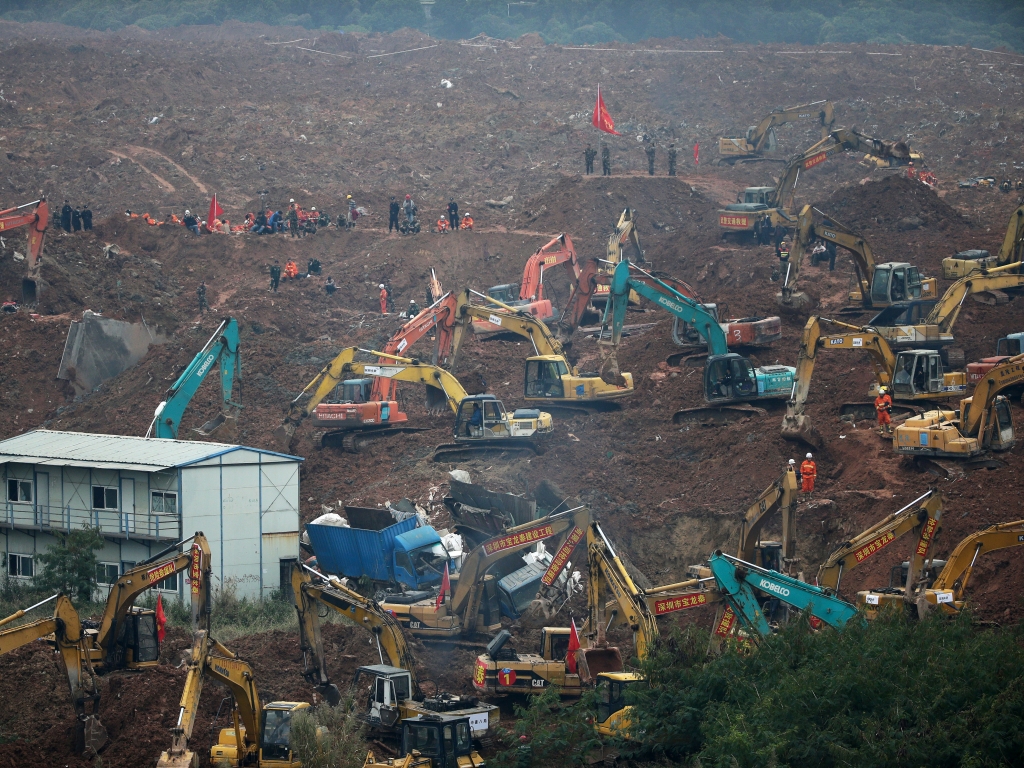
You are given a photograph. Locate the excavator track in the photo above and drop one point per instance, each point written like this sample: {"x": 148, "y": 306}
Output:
{"x": 715, "y": 415}
{"x": 952, "y": 468}
{"x": 494, "y": 447}
{"x": 355, "y": 441}
{"x": 866, "y": 411}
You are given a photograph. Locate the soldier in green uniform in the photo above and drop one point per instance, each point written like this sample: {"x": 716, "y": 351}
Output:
{"x": 650, "y": 159}
{"x": 589, "y": 154}
{"x": 671, "y": 159}
{"x": 606, "y": 161}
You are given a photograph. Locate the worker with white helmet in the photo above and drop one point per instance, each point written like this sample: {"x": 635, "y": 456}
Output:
{"x": 808, "y": 473}
{"x": 383, "y": 299}
{"x": 883, "y": 409}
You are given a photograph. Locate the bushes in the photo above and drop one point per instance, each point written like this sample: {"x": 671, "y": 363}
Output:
{"x": 69, "y": 566}
{"x": 329, "y": 737}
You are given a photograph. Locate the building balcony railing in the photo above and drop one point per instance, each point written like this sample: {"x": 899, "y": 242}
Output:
{"x": 111, "y": 523}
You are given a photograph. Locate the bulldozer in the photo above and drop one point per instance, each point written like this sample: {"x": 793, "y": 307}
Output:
{"x": 432, "y": 741}
{"x": 761, "y": 138}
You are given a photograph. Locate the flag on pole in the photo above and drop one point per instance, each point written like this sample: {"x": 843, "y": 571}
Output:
{"x": 161, "y": 618}
{"x": 602, "y": 120}
{"x": 446, "y": 586}
{"x": 574, "y": 645}
{"x": 215, "y": 211}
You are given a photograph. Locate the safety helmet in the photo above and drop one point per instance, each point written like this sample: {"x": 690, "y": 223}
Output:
{"x": 808, "y": 455}
{"x": 408, "y": 197}
{"x": 882, "y": 390}
{"x": 348, "y": 197}
{"x": 314, "y": 207}
{"x": 187, "y": 211}
{"x": 381, "y": 285}
{"x": 412, "y": 301}
{"x": 792, "y": 461}
{"x": 291, "y": 200}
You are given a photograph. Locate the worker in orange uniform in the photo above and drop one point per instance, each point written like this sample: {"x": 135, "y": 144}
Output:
{"x": 291, "y": 270}
{"x": 808, "y": 473}
{"x": 383, "y": 299}
{"x": 467, "y": 222}
{"x": 442, "y": 225}
{"x": 911, "y": 173}
{"x": 883, "y": 408}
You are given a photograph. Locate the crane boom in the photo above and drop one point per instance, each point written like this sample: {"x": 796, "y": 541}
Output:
{"x": 36, "y": 220}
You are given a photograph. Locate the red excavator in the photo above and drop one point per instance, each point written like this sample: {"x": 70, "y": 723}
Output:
{"x": 36, "y": 220}
{"x": 531, "y": 289}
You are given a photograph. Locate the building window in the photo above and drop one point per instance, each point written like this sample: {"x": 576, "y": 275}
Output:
{"x": 170, "y": 584}
{"x": 104, "y": 497}
{"x": 107, "y": 573}
{"x": 164, "y": 502}
{"x": 19, "y": 490}
{"x": 19, "y": 565}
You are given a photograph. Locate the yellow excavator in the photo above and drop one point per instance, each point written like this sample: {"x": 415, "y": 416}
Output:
{"x": 912, "y": 375}
{"x": 550, "y": 378}
{"x": 619, "y": 241}
{"x": 473, "y": 605}
{"x": 970, "y": 263}
{"x": 879, "y": 285}
{"x": 761, "y": 209}
{"x": 922, "y": 517}
{"x": 394, "y": 691}
{"x": 260, "y": 735}
{"x": 949, "y": 589}
{"x": 432, "y": 741}
{"x": 983, "y": 422}
{"x": 761, "y": 138}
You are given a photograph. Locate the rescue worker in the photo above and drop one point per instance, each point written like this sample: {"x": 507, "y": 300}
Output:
{"x": 467, "y": 222}
{"x": 830, "y": 249}
{"x": 86, "y": 217}
{"x": 330, "y": 287}
{"x": 414, "y": 308}
{"x": 796, "y": 469}
{"x": 293, "y": 220}
{"x": 606, "y": 160}
{"x": 353, "y": 214}
{"x": 1006, "y": 186}
{"x": 442, "y": 225}
{"x": 588, "y": 156}
{"x": 671, "y": 159}
{"x": 883, "y": 409}
{"x": 453, "y": 214}
{"x": 275, "y": 276}
{"x": 911, "y": 173}
{"x": 393, "y": 210}
{"x": 313, "y": 268}
{"x": 201, "y": 296}
{"x": 291, "y": 270}
{"x": 65, "y": 216}
{"x": 260, "y": 225}
{"x": 650, "y": 159}
{"x": 410, "y": 209}
{"x": 76, "y": 219}
{"x": 808, "y": 473}
{"x": 383, "y": 299}
{"x": 696, "y": 153}
{"x": 191, "y": 222}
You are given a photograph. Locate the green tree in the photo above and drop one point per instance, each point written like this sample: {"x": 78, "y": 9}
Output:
{"x": 69, "y": 566}
{"x": 329, "y": 737}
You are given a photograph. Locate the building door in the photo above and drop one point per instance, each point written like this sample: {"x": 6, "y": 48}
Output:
{"x": 127, "y": 505}
{"x": 43, "y": 499}
{"x": 287, "y": 566}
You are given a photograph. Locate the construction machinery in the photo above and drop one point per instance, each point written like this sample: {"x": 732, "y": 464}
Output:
{"x": 260, "y": 735}
{"x": 1006, "y": 347}
{"x": 36, "y": 220}
{"x": 433, "y": 741}
{"x": 357, "y": 411}
{"x": 550, "y": 378}
{"x": 878, "y": 285}
{"x": 729, "y": 378}
{"x": 761, "y": 138}
{"x": 983, "y": 422}
{"x": 220, "y": 350}
{"x": 761, "y": 209}
{"x": 434, "y": 290}
{"x": 625, "y": 234}
{"x": 737, "y": 580}
{"x": 68, "y": 640}
{"x": 530, "y": 296}
{"x": 970, "y": 263}
{"x": 473, "y": 604}
{"x": 936, "y": 330}
{"x": 949, "y": 589}
{"x": 395, "y": 692}
{"x": 922, "y": 517}
{"x": 912, "y": 375}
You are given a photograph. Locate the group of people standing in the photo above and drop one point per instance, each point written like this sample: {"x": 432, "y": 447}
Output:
{"x": 590, "y": 154}
{"x": 75, "y": 219}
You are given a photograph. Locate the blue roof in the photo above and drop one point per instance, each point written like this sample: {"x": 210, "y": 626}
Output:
{"x": 418, "y": 537}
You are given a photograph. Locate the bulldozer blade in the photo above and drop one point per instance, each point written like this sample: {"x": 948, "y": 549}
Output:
{"x": 798, "y": 428}
{"x": 716, "y": 414}
{"x": 464, "y": 451}
{"x": 283, "y": 436}
{"x": 954, "y": 467}
{"x": 93, "y": 735}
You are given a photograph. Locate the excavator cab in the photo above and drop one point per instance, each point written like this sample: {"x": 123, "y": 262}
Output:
{"x": 544, "y": 377}
{"x": 388, "y": 688}
{"x": 729, "y": 377}
{"x": 1000, "y": 435}
{"x": 275, "y": 742}
{"x": 506, "y": 294}
{"x": 918, "y": 372}
{"x": 481, "y": 417}
{"x": 895, "y": 281}
{"x": 1010, "y": 345}
{"x": 353, "y": 391}
{"x": 137, "y": 645}
{"x": 613, "y": 715}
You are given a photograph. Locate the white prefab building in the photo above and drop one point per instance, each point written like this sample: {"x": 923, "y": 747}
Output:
{"x": 145, "y": 494}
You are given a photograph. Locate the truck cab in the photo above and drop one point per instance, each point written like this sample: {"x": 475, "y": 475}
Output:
{"x": 420, "y": 558}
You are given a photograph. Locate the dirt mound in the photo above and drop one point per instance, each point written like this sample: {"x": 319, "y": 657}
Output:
{"x": 894, "y": 203}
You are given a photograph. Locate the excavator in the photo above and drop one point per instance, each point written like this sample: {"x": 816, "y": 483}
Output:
{"x": 550, "y": 377}
{"x": 361, "y": 410}
{"x": 433, "y": 741}
{"x": 260, "y": 735}
{"x": 1012, "y": 250}
{"x": 762, "y": 209}
{"x": 36, "y": 220}
{"x": 983, "y": 422}
{"x": 912, "y": 375}
{"x": 530, "y": 297}
{"x": 949, "y": 589}
{"x": 124, "y": 638}
{"x": 729, "y": 378}
{"x": 624, "y": 234}
{"x": 936, "y": 330}
{"x": 879, "y": 285}
{"x": 473, "y": 605}
{"x": 394, "y": 689}
{"x": 761, "y": 137}
{"x": 222, "y": 350}
{"x": 922, "y": 516}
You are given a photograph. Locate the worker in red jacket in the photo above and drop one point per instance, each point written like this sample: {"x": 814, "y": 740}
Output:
{"x": 883, "y": 408}
{"x": 383, "y": 299}
{"x": 808, "y": 473}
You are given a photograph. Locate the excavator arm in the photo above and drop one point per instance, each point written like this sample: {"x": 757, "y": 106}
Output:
{"x": 559, "y": 251}
{"x": 36, "y": 220}
{"x": 780, "y": 496}
{"x": 945, "y": 312}
{"x": 312, "y": 589}
{"x": 1011, "y": 250}
{"x": 737, "y": 580}
{"x": 510, "y": 319}
{"x": 977, "y": 409}
{"x": 196, "y": 560}
{"x": 759, "y": 138}
{"x": 624, "y": 232}
{"x": 221, "y": 349}
{"x": 922, "y": 515}
{"x": 951, "y": 584}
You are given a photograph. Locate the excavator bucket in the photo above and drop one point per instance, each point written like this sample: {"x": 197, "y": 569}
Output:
{"x": 538, "y": 613}
{"x": 437, "y": 401}
{"x": 798, "y": 428}
{"x": 29, "y": 291}
{"x": 796, "y": 302}
{"x": 283, "y": 436}
{"x": 91, "y": 735}
{"x": 591, "y": 662}
{"x": 610, "y": 373}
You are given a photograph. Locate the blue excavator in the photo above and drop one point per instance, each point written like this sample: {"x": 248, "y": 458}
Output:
{"x": 729, "y": 378}
{"x": 221, "y": 350}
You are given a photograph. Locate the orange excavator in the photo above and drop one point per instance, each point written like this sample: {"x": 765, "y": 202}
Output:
{"x": 355, "y": 411}
{"x": 531, "y": 289}
{"x": 36, "y": 220}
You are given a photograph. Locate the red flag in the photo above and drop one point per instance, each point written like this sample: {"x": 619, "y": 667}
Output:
{"x": 574, "y": 645}
{"x": 215, "y": 211}
{"x": 161, "y": 618}
{"x": 602, "y": 120}
{"x": 446, "y": 586}
{"x": 696, "y": 154}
